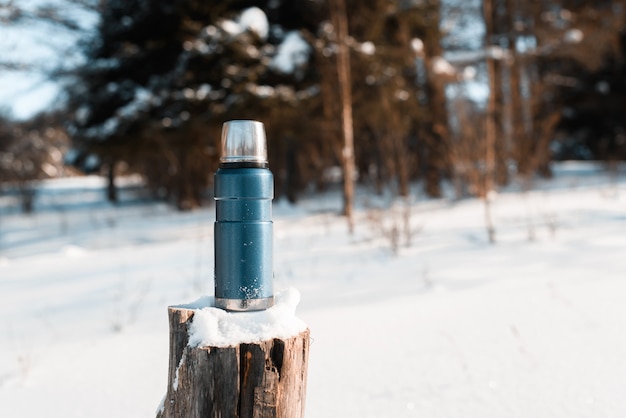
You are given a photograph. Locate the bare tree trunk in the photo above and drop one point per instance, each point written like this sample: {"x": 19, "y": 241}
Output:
{"x": 27, "y": 191}
{"x": 111, "y": 188}
{"x": 490, "y": 128}
{"x": 329, "y": 125}
{"x": 437, "y": 141}
{"x": 437, "y": 162}
{"x": 501, "y": 174}
{"x": 518, "y": 129}
{"x": 340, "y": 23}
{"x": 500, "y": 26}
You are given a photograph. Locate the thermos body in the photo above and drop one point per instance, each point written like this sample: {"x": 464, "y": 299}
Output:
{"x": 244, "y": 189}
{"x": 243, "y": 238}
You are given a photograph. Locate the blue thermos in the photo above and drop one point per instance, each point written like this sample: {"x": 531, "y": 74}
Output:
{"x": 244, "y": 189}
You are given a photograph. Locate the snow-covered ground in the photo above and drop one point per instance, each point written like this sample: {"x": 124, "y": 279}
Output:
{"x": 450, "y": 326}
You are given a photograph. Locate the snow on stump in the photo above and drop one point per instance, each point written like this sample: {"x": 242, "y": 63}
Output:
{"x": 240, "y": 365}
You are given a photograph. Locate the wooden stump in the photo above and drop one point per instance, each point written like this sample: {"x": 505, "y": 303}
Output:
{"x": 250, "y": 380}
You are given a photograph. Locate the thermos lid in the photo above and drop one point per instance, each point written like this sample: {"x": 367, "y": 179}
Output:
{"x": 243, "y": 141}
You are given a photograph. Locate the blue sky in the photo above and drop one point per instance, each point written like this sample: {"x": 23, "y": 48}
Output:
{"x": 42, "y": 46}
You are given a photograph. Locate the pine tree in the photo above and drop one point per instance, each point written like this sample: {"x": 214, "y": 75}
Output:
{"x": 164, "y": 75}
{"x": 113, "y": 95}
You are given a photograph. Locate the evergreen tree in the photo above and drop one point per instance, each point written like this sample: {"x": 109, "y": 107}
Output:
{"x": 163, "y": 76}
{"x": 591, "y": 83}
{"x": 593, "y": 125}
{"x": 116, "y": 93}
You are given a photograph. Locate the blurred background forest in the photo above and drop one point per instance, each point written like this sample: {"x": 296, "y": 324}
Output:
{"x": 381, "y": 93}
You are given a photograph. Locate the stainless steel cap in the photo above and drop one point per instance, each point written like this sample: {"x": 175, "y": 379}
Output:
{"x": 243, "y": 141}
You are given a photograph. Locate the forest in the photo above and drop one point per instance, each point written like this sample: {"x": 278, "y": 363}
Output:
{"x": 406, "y": 138}
{"x": 384, "y": 94}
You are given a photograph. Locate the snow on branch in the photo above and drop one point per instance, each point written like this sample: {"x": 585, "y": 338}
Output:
{"x": 292, "y": 53}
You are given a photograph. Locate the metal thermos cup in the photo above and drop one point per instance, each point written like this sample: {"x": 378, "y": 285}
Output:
{"x": 244, "y": 189}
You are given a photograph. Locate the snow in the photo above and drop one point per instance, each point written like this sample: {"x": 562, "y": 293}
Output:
{"x": 498, "y": 53}
{"x": 442, "y": 66}
{"x": 417, "y": 45}
{"x": 469, "y": 73}
{"x": 231, "y": 27}
{"x": 448, "y": 326}
{"x": 573, "y": 36}
{"x": 292, "y": 52}
{"x": 251, "y": 19}
{"x": 255, "y": 20}
{"x": 142, "y": 101}
{"x": 367, "y": 48}
{"x": 215, "y": 327}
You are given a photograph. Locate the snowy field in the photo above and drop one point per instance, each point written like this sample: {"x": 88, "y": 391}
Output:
{"x": 449, "y": 326}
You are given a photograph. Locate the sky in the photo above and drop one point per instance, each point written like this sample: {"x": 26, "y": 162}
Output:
{"x": 43, "y": 46}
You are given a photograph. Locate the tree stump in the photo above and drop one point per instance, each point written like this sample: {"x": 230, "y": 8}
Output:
{"x": 249, "y": 380}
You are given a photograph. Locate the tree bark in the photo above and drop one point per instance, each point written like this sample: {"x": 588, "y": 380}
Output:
{"x": 490, "y": 128}
{"x": 255, "y": 380}
{"x": 500, "y": 28}
{"x": 339, "y": 19}
{"x": 111, "y": 188}
{"x": 436, "y": 139}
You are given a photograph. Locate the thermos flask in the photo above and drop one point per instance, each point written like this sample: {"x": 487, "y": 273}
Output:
{"x": 244, "y": 189}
